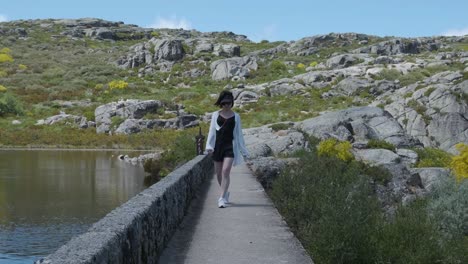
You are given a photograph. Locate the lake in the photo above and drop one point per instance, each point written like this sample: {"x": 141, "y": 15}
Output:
{"x": 49, "y": 196}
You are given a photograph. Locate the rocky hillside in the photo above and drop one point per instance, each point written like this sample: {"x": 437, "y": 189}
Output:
{"x": 123, "y": 79}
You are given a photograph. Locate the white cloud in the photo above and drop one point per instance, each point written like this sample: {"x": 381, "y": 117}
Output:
{"x": 172, "y": 22}
{"x": 456, "y": 32}
{"x": 3, "y": 18}
{"x": 267, "y": 33}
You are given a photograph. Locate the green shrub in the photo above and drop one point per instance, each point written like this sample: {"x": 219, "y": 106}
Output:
{"x": 378, "y": 174}
{"x": 325, "y": 201}
{"x": 432, "y": 157}
{"x": 277, "y": 66}
{"x": 9, "y": 104}
{"x": 2, "y": 89}
{"x": 89, "y": 115}
{"x": 412, "y": 238}
{"x": 182, "y": 150}
{"x": 332, "y": 208}
{"x": 448, "y": 204}
{"x": 380, "y": 144}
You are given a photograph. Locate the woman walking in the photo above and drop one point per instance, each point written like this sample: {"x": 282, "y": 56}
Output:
{"x": 226, "y": 143}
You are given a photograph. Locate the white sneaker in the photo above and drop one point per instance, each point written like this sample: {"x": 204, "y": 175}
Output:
{"x": 221, "y": 203}
{"x": 226, "y": 197}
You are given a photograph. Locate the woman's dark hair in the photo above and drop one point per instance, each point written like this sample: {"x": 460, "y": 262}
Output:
{"x": 225, "y": 96}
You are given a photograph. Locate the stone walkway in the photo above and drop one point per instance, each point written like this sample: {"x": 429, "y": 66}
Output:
{"x": 249, "y": 230}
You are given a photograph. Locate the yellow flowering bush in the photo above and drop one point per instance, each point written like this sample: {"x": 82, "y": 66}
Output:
{"x": 459, "y": 163}
{"x": 333, "y": 148}
{"x": 3, "y": 74}
{"x": 5, "y": 51}
{"x": 301, "y": 66}
{"x": 22, "y": 67}
{"x": 2, "y": 89}
{"x": 313, "y": 64}
{"x": 118, "y": 85}
{"x": 5, "y": 58}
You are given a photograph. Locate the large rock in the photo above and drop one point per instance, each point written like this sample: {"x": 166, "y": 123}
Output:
{"x": 430, "y": 177}
{"x": 133, "y": 109}
{"x": 167, "y": 49}
{"x": 131, "y": 126}
{"x": 67, "y": 119}
{"x": 284, "y": 86}
{"x": 352, "y": 86}
{"x": 226, "y": 50}
{"x": 266, "y": 169}
{"x": 153, "y": 52}
{"x": 280, "y": 142}
{"x": 357, "y": 124}
{"x": 228, "y": 68}
{"x": 376, "y": 157}
{"x": 448, "y": 130}
{"x": 343, "y": 60}
{"x": 401, "y": 46}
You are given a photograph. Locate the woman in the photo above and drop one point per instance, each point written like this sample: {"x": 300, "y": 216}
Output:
{"x": 226, "y": 143}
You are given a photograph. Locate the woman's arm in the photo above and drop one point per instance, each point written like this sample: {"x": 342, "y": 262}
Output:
{"x": 242, "y": 147}
{"x": 210, "y": 141}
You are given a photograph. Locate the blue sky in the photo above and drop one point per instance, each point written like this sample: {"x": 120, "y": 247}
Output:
{"x": 271, "y": 20}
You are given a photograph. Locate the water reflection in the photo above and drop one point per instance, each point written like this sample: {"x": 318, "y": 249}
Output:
{"x": 46, "y": 197}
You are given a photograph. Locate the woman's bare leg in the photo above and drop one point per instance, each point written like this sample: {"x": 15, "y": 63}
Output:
{"x": 226, "y": 173}
{"x": 218, "y": 166}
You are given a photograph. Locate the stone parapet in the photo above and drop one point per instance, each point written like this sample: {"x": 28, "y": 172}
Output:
{"x": 139, "y": 230}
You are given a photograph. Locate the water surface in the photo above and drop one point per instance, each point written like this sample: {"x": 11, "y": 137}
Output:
{"x": 48, "y": 196}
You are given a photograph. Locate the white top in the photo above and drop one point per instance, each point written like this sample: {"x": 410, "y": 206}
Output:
{"x": 238, "y": 143}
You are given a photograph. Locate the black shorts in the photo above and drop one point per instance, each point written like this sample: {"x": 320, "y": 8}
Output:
{"x": 221, "y": 152}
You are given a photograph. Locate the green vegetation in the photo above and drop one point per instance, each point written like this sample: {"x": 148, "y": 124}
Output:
{"x": 280, "y": 126}
{"x": 177, "y": 155}
{"x": 9, "y": 104}
{"x": 332, "y": 208}
{"x": 380, "y": 144}
{"x": 432, "y": 157}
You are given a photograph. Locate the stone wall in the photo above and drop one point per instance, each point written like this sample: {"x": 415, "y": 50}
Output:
{"x": 138, "y": 231}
